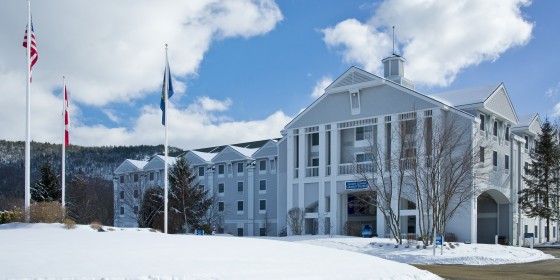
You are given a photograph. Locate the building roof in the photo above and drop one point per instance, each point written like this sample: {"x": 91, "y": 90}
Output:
{"x": 248, "y": 145}
{"x": 138, "y": 163}
{"x": 465, "y": 96}
{"x": 204, "y": 156}
{"x": 247, "y": 152}
{"x": 526, "y": 120}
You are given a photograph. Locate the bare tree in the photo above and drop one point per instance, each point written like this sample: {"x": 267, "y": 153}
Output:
{"x": 214, "y": 217}
{"x": 384, "y": 166}
{"x": 134, "y": 194}
{"x": 448, "y": 164}
{"x": 295, "y": 220}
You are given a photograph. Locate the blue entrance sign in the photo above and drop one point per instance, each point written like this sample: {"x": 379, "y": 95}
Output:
{"x": 356, "y": 185}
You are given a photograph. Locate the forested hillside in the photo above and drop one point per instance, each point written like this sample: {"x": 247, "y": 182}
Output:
{"x": 90, "y": 162}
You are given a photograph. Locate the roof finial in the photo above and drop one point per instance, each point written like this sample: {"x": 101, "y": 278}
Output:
{"x": 393, "y": 40}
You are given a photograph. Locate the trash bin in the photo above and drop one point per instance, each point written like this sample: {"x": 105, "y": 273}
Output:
{"x": 502, "y": 240}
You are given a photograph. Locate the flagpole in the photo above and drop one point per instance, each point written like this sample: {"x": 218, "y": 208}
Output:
{"x": 167, "y": 73}
{"x": 64, "y": 118}
{"x": 28, "y": 118}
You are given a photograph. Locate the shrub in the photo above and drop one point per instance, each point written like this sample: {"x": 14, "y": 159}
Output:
{"x": 352, "y": 228}
{"x": 450, "y": 237}
{"x": 69, "y": 223}
{"x": 96, "y": 225}
{"x": 15, "y": 215}
{"x": 46, "y": 212}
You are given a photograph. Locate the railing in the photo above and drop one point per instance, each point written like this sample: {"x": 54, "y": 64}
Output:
{"x": 312, "y": 171}
{"x": 358, "y": 168}
{"x": 408, "y": 163}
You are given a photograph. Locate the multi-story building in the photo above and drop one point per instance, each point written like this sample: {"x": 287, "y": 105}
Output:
{"x": 314, "y": 165}
{"x": 242, "y": 177}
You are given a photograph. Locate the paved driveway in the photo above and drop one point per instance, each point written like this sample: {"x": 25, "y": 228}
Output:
{"x": 548, "y": 269}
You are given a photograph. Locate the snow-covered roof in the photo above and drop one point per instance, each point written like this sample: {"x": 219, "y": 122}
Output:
{"x": 138, "y": 163}
{"x": 465, "y": 96}
{"x": 244, "y": 151}
{"x": 204, "y": 156}
{"x": 170, "y": 160}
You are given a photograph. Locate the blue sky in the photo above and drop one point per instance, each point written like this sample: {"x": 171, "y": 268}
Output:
{"x": 243, "y": 68}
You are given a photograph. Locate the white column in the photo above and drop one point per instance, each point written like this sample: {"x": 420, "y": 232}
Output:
{"x": 290, "y": 163}
{"x": 322, "y": 168}
{"x": 302, "y": 166}
{"x": 250, "y": 199}
{"x": 334, "y": 215}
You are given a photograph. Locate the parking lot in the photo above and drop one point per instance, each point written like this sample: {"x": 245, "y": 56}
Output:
{"x": 548, "y": 269}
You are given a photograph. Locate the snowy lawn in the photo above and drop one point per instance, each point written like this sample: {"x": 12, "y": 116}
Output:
{"x": 461, "y": 253}
{"x": 49, "y": 251}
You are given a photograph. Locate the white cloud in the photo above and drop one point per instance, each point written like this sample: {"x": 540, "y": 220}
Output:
{"x": 320, "y": 86}
{"x": 189, "y": 128}
{"x": 113, "y": 52}
{"x": 438, "y": 38}
{"x": 553, "y": 92}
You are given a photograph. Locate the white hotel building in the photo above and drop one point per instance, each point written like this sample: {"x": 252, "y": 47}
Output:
{"x": 312, "y": 165}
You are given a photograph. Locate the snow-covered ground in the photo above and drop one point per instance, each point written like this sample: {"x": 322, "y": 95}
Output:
{"x": 49, "y": 251}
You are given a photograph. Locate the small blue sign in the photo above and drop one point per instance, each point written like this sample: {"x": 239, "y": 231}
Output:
{"x": 439, "y": 239}
{"x": 357, "y": 185}
{"x": 199, "y": 232}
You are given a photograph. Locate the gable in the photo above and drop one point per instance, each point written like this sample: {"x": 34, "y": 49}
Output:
{"x": 194, "y": 159}
{"x": 374, "y": 101}
{"x": 535, "y": 126}
{"x": 228, "y": 154}
{"x": 126, "y": 167}
{"x": 353, "y": 78}
{"x": 268, "y": 150}
{"x": 500, "y": 104}
{"x": 156, "y": 163}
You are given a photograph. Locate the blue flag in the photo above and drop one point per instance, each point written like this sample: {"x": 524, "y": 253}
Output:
{"x": 167, "y": 88}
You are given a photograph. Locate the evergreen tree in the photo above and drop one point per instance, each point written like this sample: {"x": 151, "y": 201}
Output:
{"x": 188, "y": 202}
{"x": 538, "y": 199}
{"x": 151, "y": 207}
{"x": 47, "y": 188}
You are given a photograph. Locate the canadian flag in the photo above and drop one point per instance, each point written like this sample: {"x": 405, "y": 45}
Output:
{"x": 66, "y": 123}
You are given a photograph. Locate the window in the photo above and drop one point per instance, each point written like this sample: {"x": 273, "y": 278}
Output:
{"x": 239, "y": 231}
{"x": 262, "y": 205}
{"x": 201, "y": 187}
{"x": 121, "y": 179}
{"x": 482, "y": 124}
{"x": 495, "y": 129}
{"x": 363, "y": 133}
{"x": 495, "y": 158}
{"x": 220, "y": 187}
{"x": 135, "y": 209}
{"x": 481, "y": 154}
{"x": 507, "y": 133}
{"x": 360, "y": 157}
{"x": 221, "y": 206}
{"x": 262, "y": 165}
{"x": 221, "y": 168}
{"x": 201, "y": 171}
{"x": 506, "y": 162}
{"x": 240, "y": 206}
{"x": 240, "y": 167}
{"x": 262, "y": 185}
{"x": 136, "y": 193}
{"x": 122, "y": 211}
{"x": 526, "y": 229}
{"x": 536, "y": 231}
{"x": 526, "y": 142}
{"x": 273, "y": 165}
{"x": 314, "y": 139}
{"x": 315, "y": 162}
{"x": 122, "y": 194}
{"x": 526, "y": 168}
{"x": 152, "y": 176}
{"x": 135, "y": 177}
{"x": 240, "y": 186}
{"x": 262, "y": 231}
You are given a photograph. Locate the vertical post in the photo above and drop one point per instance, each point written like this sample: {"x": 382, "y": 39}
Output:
{"x": 166, "y": 91}
{"x": 64, "y": 127}
{"x": 28, "y": 118}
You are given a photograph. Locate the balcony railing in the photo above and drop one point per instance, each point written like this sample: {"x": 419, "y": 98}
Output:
{"x": 357, "y": 168}
{"x": 312, "y": 171}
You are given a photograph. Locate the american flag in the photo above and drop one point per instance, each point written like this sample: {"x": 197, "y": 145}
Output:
{"x": 33, "y": 54}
